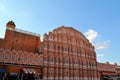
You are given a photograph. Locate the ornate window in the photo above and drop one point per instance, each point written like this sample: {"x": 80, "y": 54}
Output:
{"x": 55, "y": 47}
{"x": 60, "y": 59}
{"x": 45, "y": 58}
{"x": 45, "y": 45}
{"x": 65, "y": 60}
{"x": 81, "y": 43}
{"x": 50, "y": 46}
{"x": 51, "y": 59}
{"x": 6, "y": 57}
{"x": 1, "y": 56}
{"x": 57, "y": 59}
{"x": 50, "y": 37}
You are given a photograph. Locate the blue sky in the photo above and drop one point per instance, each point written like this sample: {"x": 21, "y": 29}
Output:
{"x": 98, "y": 20}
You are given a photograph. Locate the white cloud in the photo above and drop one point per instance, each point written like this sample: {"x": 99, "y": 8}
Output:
{"x": 91, "y": 35}
{"x": 102, "y": 45}
{"x": 99, "y": 56}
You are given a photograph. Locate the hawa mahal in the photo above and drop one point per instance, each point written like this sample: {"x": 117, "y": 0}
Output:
{"x": 63, "y": 54}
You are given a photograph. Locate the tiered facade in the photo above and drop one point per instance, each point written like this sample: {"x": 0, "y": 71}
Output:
{"x": 64, "y": 54}
{"x": 68, "y": 55}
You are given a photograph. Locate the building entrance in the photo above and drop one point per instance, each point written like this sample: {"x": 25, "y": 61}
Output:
{"x": 3, "y": 74}
{"x": 13, "y": 76}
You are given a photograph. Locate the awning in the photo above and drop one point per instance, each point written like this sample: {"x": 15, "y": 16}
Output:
{"x": 33, "y": 71}
{"x": 25, "y": 70}
{"x": 2, "y": 70}
{"x": 111, "y": 76}
{"x": 115, "y": 76}
{"x": 29, "y": 71}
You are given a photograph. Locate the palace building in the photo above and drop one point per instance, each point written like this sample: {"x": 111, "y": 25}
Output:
{"x": 68, "y": 55}
{"x": 64, "y": 54}
{"x": 19, "y": 54}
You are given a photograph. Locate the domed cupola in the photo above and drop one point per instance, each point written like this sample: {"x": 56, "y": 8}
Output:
{"x": 11, "y": 25}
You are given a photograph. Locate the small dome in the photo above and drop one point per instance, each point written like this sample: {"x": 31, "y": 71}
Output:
{"x": 11, "y": 24}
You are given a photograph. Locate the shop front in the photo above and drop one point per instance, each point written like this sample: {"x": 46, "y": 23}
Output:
{"x": 27, "y": 74}
{"x": 14, "y": 72}
{"x": 3, "y": 73}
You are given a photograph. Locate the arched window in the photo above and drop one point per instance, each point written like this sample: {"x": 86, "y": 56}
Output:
{"x": 50, "y": 37}
{"x": 50, "y": 46}
{"x": 64, "y": 39}
{"x": 51, "y": 58}
{"x": 45, "y": 58}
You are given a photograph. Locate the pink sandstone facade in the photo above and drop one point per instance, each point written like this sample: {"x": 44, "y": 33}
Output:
{"x": 64, "y": 54}
{"x": 68, "y": 55}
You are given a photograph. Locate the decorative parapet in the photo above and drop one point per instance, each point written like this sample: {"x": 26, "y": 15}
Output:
{"x": 20, "y": 57}
{"x": 106, "y": 67}
{"x": 24, "y": 31}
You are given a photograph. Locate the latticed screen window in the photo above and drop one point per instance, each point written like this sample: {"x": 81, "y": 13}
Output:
{"x": 50, "y": 46}
{"x": 45, "y": 71}
{"x": 24, "y": 58}
{"x": 45, "y": 58}
{"x": 84, "y": 62}
{"x": 55, "y": 38}
{"x": 71, "y": 50}
{"x": 74, "y": 50}
{"x": 51, "y": 59}
{"x": 56, "y": 59}
{"x": 6, "y": 56}
{"x": 70, "y": 40}
{"x": 60, "y": 60}
{"x": 65, "y": 48}
{"x": 61, "y": 73}
{"x": 50, "y": 37}
{"x": 81, "y": 43}
{"x": 64, "y": 39}
{"x": 58, "y": 48}
{"x": 65, "y": 60}
{"x": 68, "y": 49}
{"x": 45, "y": 45}
{"x": 55, "y": 47}
{"x": 70, "y": 61}
{"x": 65, "y": 72}
{"x": 76, "y": 61}
{"x": 73, "y": 61}
{"x": 1, "y": 56}
{"x": 82, "y": 52}
{"x": 45, "y": 37}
